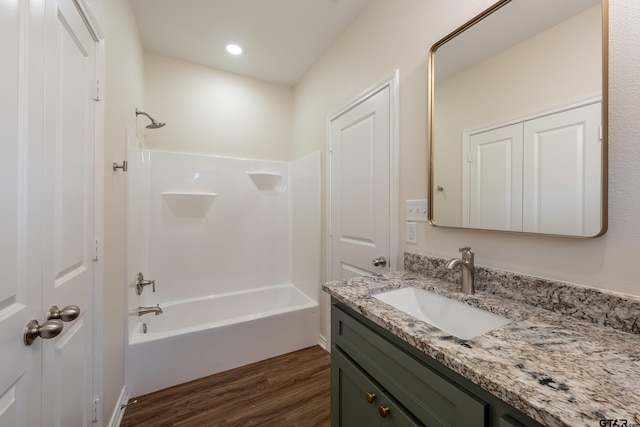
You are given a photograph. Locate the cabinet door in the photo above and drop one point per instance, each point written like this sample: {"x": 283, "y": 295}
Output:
{"x": 356, "y": 400}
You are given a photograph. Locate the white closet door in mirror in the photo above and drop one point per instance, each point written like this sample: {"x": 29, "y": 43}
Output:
{"x": 495, "y": 179}
{"x": 562, "y": 172}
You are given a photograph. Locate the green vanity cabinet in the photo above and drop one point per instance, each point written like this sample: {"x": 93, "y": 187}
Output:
{"x": 379, "y": 380}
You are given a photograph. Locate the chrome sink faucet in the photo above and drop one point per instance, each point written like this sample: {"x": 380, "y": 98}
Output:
{"x": 146, "y": 310}
{"x": 468, "y": 269}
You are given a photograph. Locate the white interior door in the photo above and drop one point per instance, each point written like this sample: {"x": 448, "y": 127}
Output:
{"x": 360, "y": 153}
{"x": 562, "y": 172}
{"x": 20, "y": 211}
{"x": 495, "y": 179}
{"x": 68, "y": 232}
{"x": 46, "y": 214}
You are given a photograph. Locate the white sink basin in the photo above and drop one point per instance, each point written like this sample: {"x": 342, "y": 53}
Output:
{"x": 452, "y": 316}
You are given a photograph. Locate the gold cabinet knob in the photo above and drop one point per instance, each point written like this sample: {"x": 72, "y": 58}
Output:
{"x": 384, "y": 411}
{"x": 369, "y": 396}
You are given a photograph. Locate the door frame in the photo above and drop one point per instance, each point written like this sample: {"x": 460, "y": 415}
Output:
{"x": 91, "y": 22}
{"x": 392, "y": 82}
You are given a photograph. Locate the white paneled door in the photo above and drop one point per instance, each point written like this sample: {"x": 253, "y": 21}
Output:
{"x": 68, "y": 236}
{"x": 495, "y": 180}
{"x": 562, "y": 172}
{"x": 360, "y": 158}
{"x": 20, "y": 216}
{"x": 47, "y": 214}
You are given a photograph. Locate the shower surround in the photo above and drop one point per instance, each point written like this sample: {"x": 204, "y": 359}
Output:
{"x": 203, "y": 226}
{"x": 210, "y": 223}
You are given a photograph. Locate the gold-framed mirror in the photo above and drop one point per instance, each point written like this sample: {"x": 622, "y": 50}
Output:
{"x": 517, "y": 120}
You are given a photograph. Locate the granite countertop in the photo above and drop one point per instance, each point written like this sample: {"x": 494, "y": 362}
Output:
{"x": 559, "y": 370}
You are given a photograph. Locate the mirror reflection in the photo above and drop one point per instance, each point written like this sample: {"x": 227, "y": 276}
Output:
{"x": 517, "y": 139}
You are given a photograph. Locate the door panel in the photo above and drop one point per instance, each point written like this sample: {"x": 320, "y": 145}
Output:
{"x": 356, "y": 149}
{"x": 495, "y": 179}
{"x": 360, "y": 187}
{"x": 562, "y": 172}
{"x": 68, "y": 228}
{"x": 69, "y": 367}
{"x": 20, "y": 213}
{"x": 348, "y": 271}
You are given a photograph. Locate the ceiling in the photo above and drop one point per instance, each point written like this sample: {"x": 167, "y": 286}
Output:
{"x": 520, "y": 20}
{"x": 281, "y": 39}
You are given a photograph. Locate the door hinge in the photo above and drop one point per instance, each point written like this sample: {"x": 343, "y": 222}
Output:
{"x": 600, "y": 133}
{"x": 97, "y": 98}
{"x": 94, "y": 412}
{"x": 96, "y": 246}
{"x": 468, "y": 156}
{"x": 330, "y": 230}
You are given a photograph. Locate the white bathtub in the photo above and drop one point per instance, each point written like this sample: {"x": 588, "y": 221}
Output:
{"x": 199, "y": 337}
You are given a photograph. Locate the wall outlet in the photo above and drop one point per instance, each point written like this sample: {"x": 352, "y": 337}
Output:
{"x": 412, "y": 233}
{"x": 416, "y": 210}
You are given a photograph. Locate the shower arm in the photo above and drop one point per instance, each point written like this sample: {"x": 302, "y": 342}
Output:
{"x": 138, "y": 112}
{"x": 154, "y": 123}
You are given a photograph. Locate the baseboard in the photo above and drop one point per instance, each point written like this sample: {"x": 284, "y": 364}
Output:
{"x": 118, "y": 411}
{"x": 322, "y": 342}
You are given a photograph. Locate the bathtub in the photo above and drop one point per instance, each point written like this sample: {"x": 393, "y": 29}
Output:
{"x": 202, "y": 336}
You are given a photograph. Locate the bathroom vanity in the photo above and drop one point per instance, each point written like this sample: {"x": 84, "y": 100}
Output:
{"x": 378, "y": 378}
{"x": 541, "y": 368}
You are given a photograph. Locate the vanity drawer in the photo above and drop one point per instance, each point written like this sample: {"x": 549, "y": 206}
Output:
{"x": 429, "y": 396}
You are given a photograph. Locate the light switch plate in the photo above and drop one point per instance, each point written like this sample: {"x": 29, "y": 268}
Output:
{"x": 416, "y": 210}
{"x": 412, "y": 232}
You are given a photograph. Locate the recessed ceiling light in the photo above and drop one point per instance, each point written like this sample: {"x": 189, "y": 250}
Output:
{"x": 234, "y": 49}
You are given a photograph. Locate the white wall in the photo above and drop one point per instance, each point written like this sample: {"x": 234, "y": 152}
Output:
{"x": 305, "y": 225}
{"x": 209, "y": 111}
{"x": 123, "y": 93}
{"x": 398, "y": 34}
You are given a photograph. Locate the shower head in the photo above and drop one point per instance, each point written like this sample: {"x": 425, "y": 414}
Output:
{"x": 154, "y": 124}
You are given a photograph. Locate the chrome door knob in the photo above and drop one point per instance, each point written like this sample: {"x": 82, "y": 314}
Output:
{"x": 379, "y": 262}
{"x": 49, "y": 329}
{"x": 67, "y": 314}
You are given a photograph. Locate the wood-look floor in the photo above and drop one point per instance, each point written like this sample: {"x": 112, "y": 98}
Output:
{"x": 291, "y": 390}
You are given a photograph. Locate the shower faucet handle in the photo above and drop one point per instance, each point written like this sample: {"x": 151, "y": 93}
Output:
{"x": 141, "y": 283}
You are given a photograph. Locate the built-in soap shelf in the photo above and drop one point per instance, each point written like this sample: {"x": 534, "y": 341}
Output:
{"x": 186, "y": 204}
{"x": 265, "y": 181}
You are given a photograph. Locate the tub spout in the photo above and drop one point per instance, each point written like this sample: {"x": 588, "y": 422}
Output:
{"x": 146, "y": 310}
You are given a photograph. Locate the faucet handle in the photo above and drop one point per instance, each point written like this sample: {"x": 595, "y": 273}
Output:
{"x": 467, "y": 255}
{"x": 141, "y": 283}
